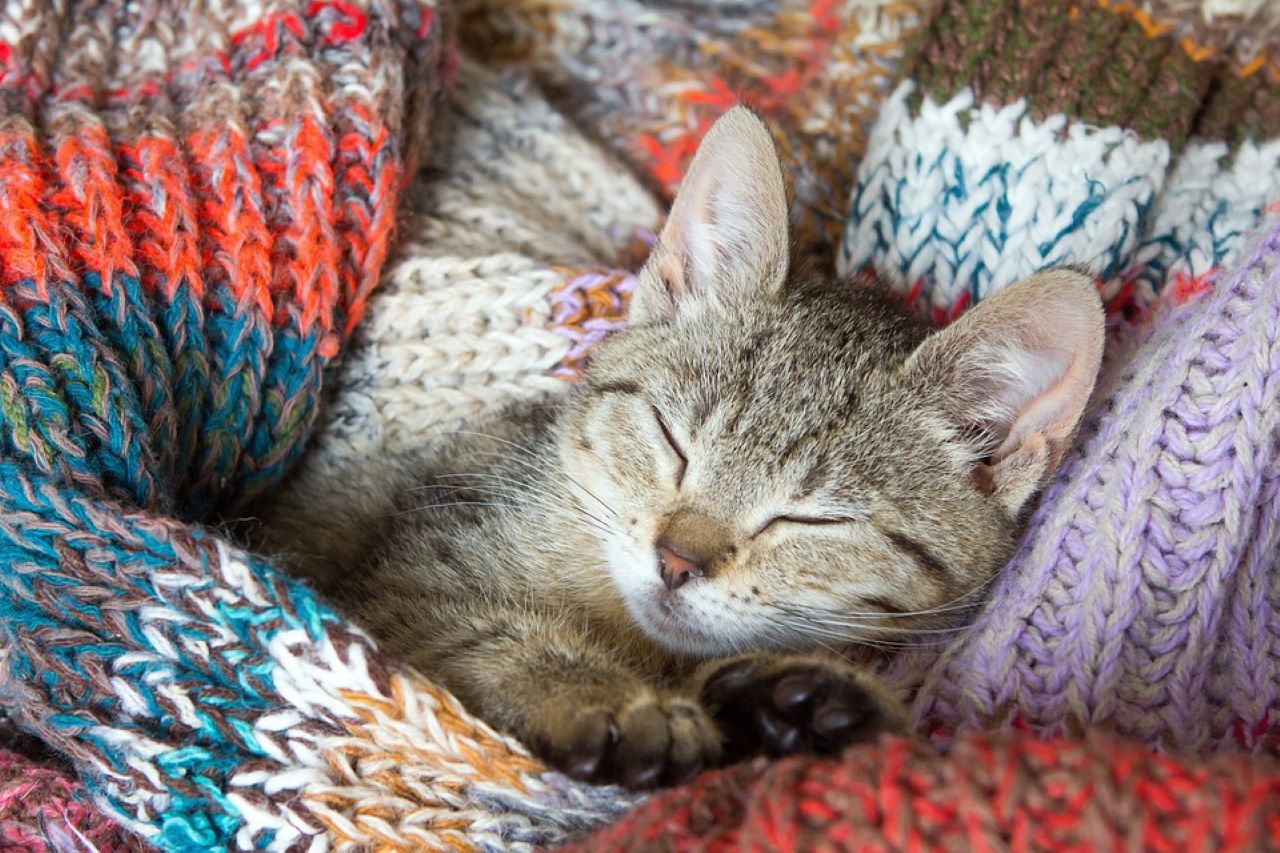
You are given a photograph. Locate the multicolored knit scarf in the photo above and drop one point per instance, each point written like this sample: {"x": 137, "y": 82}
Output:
{"x": 195, "y": 201}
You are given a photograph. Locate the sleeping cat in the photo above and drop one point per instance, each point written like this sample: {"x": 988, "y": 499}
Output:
{"x": 656, "y": 572}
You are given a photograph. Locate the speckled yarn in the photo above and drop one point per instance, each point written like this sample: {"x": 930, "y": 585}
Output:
{"x": 1138, "y": 140}
{"x": 1146, "y": 595}
{"x": 647, "y": 80}
{"x": 195, "y": 201}
{"x": 991, "y": 792}
{"x": 45, "y": 810}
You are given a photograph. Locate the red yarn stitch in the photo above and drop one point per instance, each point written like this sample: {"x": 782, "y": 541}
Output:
{"x": 990, "y": 792}
{"x": 40, "y": 805}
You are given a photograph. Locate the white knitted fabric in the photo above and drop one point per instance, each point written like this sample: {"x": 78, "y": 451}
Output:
{"x": 985, "y": 195}
{"x": 970, "y": 197}
{"x": 1213, "y": 199}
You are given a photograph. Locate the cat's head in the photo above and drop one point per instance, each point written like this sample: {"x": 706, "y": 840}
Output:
{"x": 781, "y": 460}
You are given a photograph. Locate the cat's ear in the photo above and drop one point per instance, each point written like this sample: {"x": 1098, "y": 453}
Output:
{"x": 727, "y": 235}
{"x": 1014, "y": 375}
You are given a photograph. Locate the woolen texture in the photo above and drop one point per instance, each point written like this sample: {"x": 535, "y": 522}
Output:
{"x": 195, "y": 204}
{"x": 1183, "y": 219}
{"x": 647, "y": 80}
{"x": 993, "y": 792}
{"x": 43, "y": 809}
{"x": 1138, "y": 141}
{"x": 1146, "y": 595}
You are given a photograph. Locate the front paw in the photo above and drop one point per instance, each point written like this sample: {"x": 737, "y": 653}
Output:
{"x": 639, "y": 742}
{"x": 785, "y": 705}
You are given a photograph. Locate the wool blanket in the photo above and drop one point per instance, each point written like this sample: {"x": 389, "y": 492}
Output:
{"x": 196, "y": 201}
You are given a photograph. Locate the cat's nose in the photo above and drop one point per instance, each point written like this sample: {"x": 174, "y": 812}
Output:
{"x": 675, "y": 568}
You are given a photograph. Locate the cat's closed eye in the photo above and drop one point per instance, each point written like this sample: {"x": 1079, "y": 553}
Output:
{"x": 806, "y": 520}
{"x": 675, "y": 445}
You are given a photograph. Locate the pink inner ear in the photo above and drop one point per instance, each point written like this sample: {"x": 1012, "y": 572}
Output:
{"x": 1052, "y": 414}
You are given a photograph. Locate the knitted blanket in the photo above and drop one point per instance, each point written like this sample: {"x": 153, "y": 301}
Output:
{"x": 195, "y": 204}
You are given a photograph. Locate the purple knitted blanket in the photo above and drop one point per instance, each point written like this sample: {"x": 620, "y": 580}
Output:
{"x": 1146, "y": 595}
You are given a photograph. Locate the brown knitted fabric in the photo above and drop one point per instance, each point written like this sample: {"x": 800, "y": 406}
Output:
{"x": 1165, "y": 74}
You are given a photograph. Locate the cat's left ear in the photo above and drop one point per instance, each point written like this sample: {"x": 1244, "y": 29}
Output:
{"x": 1014, "y": 374}
{"x": 727, "y": 235}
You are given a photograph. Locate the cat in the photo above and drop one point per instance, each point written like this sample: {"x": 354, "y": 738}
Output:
{"x": 656, "y": 571}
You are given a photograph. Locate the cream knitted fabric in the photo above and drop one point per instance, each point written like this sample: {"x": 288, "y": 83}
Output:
{"x": 514, "y": 205}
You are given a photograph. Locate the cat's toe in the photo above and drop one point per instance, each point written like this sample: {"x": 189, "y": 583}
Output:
{"x": 782, "y": 706}
{"x": 641, "y": 752}
{"x": 695, "y": 741}
{"x": 648, "y": 742}
{"x": 581, "y": 750}
{"x": 663, "y": 741}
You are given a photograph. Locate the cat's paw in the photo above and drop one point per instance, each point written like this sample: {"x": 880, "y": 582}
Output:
{"x": 647, "y": 741}
{"x": 777, "y": 705}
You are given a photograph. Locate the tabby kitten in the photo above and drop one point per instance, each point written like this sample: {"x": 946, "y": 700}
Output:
{"x": 654, "y": 573}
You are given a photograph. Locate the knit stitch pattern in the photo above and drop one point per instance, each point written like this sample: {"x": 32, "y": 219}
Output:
{"x": 514, "y": 260}
{"x": 1141, "y": 599}
{"x": 1146, "y": 595}
{"x": 649, "y": 81}
{"x": 193, "y": 210}
{"x": 43, "y": 810}
{"x": 172, "y": 308}
{"x": 997, "y": 792}
{"x": 1015, "y": 143}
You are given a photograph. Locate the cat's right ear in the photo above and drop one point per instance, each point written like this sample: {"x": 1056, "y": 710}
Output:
{"x": 1013, "y": 375}
{"x": 727, "y": 235}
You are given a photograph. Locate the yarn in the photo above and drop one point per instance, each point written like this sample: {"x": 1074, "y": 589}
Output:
{"x": 224, "y": 707}
{"x": 42, "y": 810}
{"x": 1016, "y": 143}
{"x": 1145, "y": 596}
{"x": 587, "y": 307}
{"x": 648, "y": 82}
{"x": 1140, "y": 599}
{"x": 1035, "y": 638}
{"x": 481, "y": 304}
{"x": 994, "y": 792}
{"x": 194, "y": 210}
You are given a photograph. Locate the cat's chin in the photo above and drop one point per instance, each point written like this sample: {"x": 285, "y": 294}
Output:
{"x": 670, "y": 619}
{"x": 671, "y": 623}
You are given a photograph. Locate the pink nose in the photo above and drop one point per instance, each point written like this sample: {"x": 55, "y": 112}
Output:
{"x": 675, "y": 568}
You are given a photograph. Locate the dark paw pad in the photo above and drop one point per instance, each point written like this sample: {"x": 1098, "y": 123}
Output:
{"x": 788, "y": 708}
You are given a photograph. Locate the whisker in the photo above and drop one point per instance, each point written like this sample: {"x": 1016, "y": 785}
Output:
{"x": 444, "y": 505}
{"x": 536, "y": 497}
{"x": 520, "y": 484}
{"x": 532, "y": 456}
{"x": 806, "y": 626}
{"x": 954, "y": 605}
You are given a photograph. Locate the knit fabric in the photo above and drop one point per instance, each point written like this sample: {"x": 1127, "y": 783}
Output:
{"x": 988, "y": 793}
{"x": 1077, "y": 631}
{"x": 525, "y": 231}
{"x": 1140, "y": 141}
{"x": 196, "y": 203}
{"x": 490, "y": 295}
{"x": 1142, "y": 597}
{"x": 647, "y": 80}
{"x": 43, "y": 809}
{"x": 1146, "y": 595}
